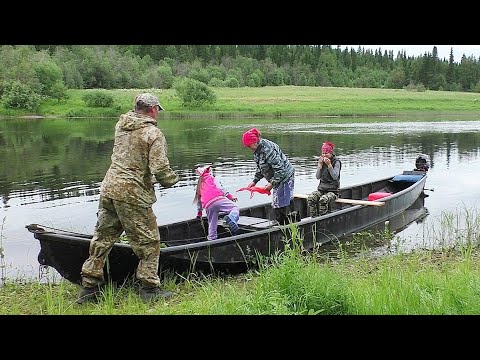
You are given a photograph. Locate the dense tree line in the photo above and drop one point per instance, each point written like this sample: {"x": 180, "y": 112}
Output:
{"x": 48, "y": 70}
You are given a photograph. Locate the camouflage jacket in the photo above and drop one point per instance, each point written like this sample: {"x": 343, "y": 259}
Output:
{"x": 271, "y": 163}
{"x": 139, "y": 157}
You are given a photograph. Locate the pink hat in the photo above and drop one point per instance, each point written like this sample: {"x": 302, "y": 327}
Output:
{"x": 250, "y": 137}
{"x": 203, "y": 170}
{"x": 328, "y": 147}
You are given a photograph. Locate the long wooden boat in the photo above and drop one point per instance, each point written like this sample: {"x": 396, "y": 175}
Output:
{"x": 186, "y": 248}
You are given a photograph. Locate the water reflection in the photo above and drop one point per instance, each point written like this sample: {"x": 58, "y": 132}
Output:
{"x": 382, "y": 238}
{"x": 52, "y": 168}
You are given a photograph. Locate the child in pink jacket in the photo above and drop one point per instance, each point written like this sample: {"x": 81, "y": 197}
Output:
{"x": 211, "y": 196}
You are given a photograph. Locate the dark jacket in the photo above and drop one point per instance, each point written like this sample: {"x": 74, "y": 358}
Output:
{"x": 272, "y": 164}
{"x": 329, "y": 177}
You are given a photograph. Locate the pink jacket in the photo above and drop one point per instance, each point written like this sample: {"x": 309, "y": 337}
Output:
{"x": 211, "y": 191}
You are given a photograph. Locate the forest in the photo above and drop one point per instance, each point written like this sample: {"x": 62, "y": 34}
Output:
{"x": 47, "y": 71}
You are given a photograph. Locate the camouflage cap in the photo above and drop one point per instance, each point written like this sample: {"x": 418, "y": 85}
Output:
{"x": 147, "y": 99}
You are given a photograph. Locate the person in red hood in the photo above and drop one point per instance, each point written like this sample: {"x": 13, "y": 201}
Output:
{"x": 276, "y": 168}
{"x": 328, "y": 189}
{"x": 212, "y": 196}
{"x": 127, "y": 194}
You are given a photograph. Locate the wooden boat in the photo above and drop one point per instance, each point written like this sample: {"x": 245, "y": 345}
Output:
{"x": 186, "y": 248}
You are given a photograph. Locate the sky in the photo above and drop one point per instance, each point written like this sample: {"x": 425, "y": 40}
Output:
{"x": 418, "y": 50}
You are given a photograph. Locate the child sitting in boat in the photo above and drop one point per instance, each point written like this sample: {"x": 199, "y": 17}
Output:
{"x": 328, "y": 172}
{"x": 212, "y": 196}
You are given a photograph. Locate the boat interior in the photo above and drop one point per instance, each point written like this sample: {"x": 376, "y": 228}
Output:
{"x": 261, "y": 217}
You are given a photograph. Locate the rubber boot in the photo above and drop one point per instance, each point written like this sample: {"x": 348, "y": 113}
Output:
{"x": 281, "y": 215}
{"x": 155, "y": 293}
{"x": 90, "y": 294}
{"x": 231, "y": 220}
{"x": 293, "y": 215}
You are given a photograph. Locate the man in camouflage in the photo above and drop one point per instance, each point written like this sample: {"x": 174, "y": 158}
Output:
{"x": 126, "y": 197}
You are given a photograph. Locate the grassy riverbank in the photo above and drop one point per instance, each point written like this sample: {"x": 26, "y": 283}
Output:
{"x": 427, "y": 282}
{"x": 276, "y": 101}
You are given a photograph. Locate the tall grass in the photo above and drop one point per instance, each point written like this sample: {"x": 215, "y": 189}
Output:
{"x": 458, "y": 229}
{"x": 296, "y": 282}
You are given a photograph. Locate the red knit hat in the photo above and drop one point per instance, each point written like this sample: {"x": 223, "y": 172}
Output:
{"x": 250, "y": 137}
{"x": 328, "y": 147}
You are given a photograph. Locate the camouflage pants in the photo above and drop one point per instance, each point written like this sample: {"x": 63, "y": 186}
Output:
{"x": 319, "y": 202}
{"x": 140, "y": 225}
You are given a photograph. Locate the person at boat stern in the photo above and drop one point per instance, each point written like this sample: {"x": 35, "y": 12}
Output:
{"x": 275, "y": 167}
{"x": 421, "y": 163}
{"x": 212, "y": 196}
{"x": 328, "y": 189}
{"x": 138, "y": 161}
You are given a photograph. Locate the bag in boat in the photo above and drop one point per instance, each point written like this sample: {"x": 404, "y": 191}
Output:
{"x": 407, "y": 178}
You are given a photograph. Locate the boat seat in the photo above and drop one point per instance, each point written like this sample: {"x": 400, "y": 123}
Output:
{"x": 255, "y": 223}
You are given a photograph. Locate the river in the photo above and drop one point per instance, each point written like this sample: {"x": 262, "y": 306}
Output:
{"x": 52, "y": 169}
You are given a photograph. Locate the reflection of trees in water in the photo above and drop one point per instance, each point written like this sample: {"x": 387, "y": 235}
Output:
{"x": 51, "y": 158}
{"x": 431, "y": 144}
{"x": 381, "y": 237}
{"x": 66, "y": 158}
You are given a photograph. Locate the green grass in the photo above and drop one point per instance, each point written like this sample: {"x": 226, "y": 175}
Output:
{"x": 445, "y": 281}
{"x": 274, "y": 102}
{"x": 423, "y": 283}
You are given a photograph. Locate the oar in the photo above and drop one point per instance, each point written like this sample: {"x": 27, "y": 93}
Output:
{"x": 347, "y": 201}
{"x": 359, "y": 202}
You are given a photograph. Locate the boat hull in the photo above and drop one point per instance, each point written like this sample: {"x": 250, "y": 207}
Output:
{"x": 188, "y": 250}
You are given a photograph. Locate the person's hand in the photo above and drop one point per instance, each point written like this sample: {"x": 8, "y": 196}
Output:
{"x": 252, "y": 184}
{"x": 199, "y": 215}
{"x": 320, "y": 161}
{"x": 327, "y": 161}
{"x": 268, "y": 187}
{"x": 234, "y": 199}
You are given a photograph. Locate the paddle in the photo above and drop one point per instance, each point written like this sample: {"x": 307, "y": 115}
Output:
{"x": 347, "y": 201}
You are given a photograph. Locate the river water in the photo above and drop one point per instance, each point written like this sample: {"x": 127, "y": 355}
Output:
{"x": 52, "y": 169}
